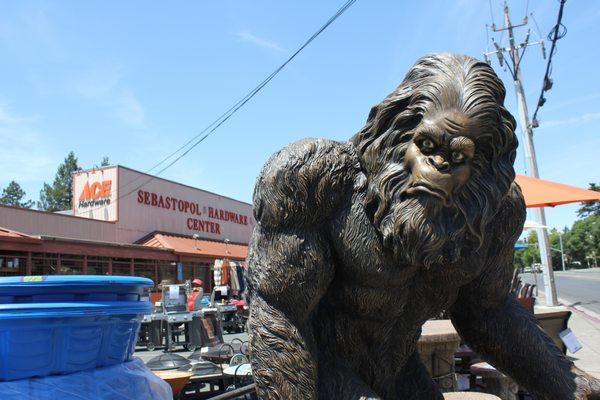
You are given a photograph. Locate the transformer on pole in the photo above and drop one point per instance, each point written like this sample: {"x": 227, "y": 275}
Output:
{"x": 513, "y": 63}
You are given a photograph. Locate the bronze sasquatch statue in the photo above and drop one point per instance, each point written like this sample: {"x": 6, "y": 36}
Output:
{"x": 358, "y": 243}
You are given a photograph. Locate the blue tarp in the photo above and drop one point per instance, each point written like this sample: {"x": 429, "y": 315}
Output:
{"x": 130, "y": 380}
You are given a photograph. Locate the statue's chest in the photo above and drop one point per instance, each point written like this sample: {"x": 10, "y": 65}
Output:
{"x": 369, "y": 282}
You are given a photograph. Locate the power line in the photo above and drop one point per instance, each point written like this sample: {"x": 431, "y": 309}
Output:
{"x": 219, "y": 121}
{"x": 206, "y": 132}
{"x": 492, "y": 13}
{"x": 233, "y": 109}
{"x": 227, "y": 114}
{"x": 515, "y": 56}
{"x": 556, "y": 33}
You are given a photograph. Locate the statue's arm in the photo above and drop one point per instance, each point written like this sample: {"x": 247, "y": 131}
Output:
{"x": 502, "y": 331}
{"x": 288, "y": 273}
{"x": 290, "y": 265}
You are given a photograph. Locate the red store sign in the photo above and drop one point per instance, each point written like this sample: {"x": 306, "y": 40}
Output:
{"x": 189, "y": 207}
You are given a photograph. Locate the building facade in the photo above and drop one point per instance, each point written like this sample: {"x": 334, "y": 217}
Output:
{"x": 125, "y": 222}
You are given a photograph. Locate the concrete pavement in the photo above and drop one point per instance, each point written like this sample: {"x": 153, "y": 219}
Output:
{"x": 587, "y": 331}
{"x": 585, "y": 324}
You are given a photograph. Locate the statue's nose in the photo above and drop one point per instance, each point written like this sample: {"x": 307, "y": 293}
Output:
{"x": 439, "y": 162}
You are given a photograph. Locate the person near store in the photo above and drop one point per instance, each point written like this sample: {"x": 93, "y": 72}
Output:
{"x": 194, "y": 300}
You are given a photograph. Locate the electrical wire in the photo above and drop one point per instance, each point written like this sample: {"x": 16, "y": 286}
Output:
{"x": 518, "y": 66}
{"x": 206, "y": 132}
{"x": 227, "y": 114}
{"x": 556, "y": 33}
{"x": 491, "y": 13}
{"x": 537, "y": 27}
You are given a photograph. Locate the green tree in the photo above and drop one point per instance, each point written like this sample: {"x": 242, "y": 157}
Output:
{"x": 591, "y": 207}
{"x": 104, "y": 162}
{"x": 583, "y": 243}
{"x": 59, "y": 195}
{"x": 529, "y": 255}
{"x": 13, "y": 195}
{"x": 554, "y": 238}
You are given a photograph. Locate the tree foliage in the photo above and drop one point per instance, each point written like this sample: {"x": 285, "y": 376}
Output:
{"x": 581, "y": 245}
{"x": 591, "y": 207}
{"x": 530, "y": 254}
{"x": 584, "y": 240}
{"x": 58, "y": 196}
{"x": 13, "y": 195}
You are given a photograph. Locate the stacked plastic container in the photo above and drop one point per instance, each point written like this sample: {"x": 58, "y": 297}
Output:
{"x": 63, "y": 324}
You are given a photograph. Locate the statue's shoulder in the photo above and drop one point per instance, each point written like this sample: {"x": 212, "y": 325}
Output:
{"x": 513, "y": 209}
{"x": 304, "y": 182}
{"x": 508, "y": 222}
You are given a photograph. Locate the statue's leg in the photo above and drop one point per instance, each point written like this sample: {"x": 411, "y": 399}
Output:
{"x": 336, "y": 381}
{"x": 414, "y": 382}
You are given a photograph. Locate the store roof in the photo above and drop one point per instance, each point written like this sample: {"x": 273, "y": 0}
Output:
{"x": 14, "y": 236}
{"x": 185, "y": 245}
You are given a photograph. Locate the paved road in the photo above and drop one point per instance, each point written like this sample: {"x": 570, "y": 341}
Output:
{"x": 577, "y": 287}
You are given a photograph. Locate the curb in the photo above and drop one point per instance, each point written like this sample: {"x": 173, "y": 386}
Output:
{"x": 590, "y": 315}
{"x": 584, "y": 312}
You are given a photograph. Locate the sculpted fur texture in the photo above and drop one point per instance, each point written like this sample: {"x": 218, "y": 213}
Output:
{"x": 358, "y": 243}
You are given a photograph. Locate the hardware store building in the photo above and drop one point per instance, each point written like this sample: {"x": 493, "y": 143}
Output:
{"x": 125, "y": 222}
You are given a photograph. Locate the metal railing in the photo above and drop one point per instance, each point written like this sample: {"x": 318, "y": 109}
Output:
{"x": 235, "y": 393}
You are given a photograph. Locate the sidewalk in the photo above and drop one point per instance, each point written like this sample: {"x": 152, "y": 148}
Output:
{"x": 586, "y": 326}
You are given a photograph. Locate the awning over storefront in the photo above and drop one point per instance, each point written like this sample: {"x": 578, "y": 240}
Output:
{"x": 14, "y": 236}
{"x": 188, "y": 246}
{"x": 11, "y": 240}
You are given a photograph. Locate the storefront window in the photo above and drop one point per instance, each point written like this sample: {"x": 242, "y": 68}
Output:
{"x": 44, "y": 264}
{"x": 71, "y": 265}
{"x": 121, "y": 266}
{"x": 167, "y": 271}
{"x": 193, "y": 270}
{"x": 97, "y": 265}
{"x": 144, "y": 268}
{"x": 12, "y": 263}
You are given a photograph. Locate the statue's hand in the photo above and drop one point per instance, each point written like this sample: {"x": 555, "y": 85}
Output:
{"x": 588, "y": 387}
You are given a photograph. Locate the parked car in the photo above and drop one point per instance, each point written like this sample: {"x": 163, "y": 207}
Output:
{"x": 536, "y": 267}
{"x": 575, "y": 265}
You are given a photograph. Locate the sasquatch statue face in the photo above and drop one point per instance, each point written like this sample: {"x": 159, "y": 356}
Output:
{"x": 438, "y": 153}
{"x": 430, "y": 227}
{"x": 439, "y": 157}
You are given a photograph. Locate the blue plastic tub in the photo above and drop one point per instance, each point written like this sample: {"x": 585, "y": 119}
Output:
{"x": 62, "y": 324}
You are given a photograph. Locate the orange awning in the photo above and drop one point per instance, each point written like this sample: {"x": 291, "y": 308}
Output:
{"x": 188, "y": 246}
{"x": 543, "y": 193}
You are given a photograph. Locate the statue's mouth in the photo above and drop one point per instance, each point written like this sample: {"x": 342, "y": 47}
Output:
{"x": 425, "y": 187}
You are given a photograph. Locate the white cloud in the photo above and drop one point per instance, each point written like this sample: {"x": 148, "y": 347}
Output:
{"x": 558, "y": 105}
{"x": 129, "y": 109}
{"x": 248, "y": 37}
{"x": 29, "y": 33}
{"x": 98, "y": 84}
{"x": 24, "y": 154}
{"x": 8, "y": 118}
{"x": 570, "y": 121}
{"x": 105, "y": 86}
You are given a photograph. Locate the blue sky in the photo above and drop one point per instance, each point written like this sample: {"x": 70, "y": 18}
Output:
{"x": 134, "y": 80}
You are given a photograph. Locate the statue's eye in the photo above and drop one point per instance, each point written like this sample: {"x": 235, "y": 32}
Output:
{"x": 458, "y": 157}
{"x": 428, "y": 144}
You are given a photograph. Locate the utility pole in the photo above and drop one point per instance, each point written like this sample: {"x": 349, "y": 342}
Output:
{"x": 526, "y": 128}
{"x": 562, "y": 252}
